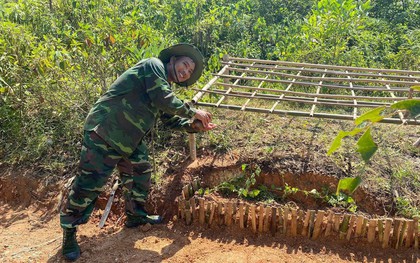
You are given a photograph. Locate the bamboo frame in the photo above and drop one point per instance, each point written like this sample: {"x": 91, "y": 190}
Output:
{"x": 320, "y": 87}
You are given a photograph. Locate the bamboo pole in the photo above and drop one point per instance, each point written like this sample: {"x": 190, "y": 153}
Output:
{"x": 311, "y": 223}
{"x": 267, "y": 219}
{"x": 380, "y": 230}
{"x": 185, "y": 192}
{"x": 192, "y": 146}
{"x": 303, "y": 83}
{"x": 337, "y": 222}
{"x": 187, "y": 213}
{"x": 286, "y": 211}
{"x": 359, "y": 225}
{"x": 364, "y": 227}
{"x": 323, "y": 95}
{"x": 306, "y": 224}
{"x": 387, "y": 232}
{"x": 208, "y": 212}
{"x": 330, "y": 79}
{"x": 372, "y": 230}
{"x": 410, "y": 232}
{"x": 351, "y": 227}
{"x": 273, "y": 220}
{"x": 310, "y": 65}
{"x": 253, "y": 219}
{"x": 330, "y": 72}
{"x": 305, "y": 114}
{"x": 213, "y": 210}
{"x": 193, "y": 208}
{"x": 320, "y": 101}
{"x": 402, "y": 233}
{"x": 300, "y": 219}
{"x": 318, "y": 224}
{"x": 329, "y": 224}
{"x": 246, "y": 216}
{"x": 181, "y": 210}
{"x": 281, "y": 219}
{"x": 396, "y": 232}
{"x": 241, "y": 215}
{"x": 344, "y": 226}
{"x": 220, "y": 214}
{"x": 416, "y": 233}
{"x": 261, "y": 218}
{"x": 229, "y": 213}
{"x": 201, "y": 216}
{"x": 200, "y": 94}
{"x": 293, "y": 226}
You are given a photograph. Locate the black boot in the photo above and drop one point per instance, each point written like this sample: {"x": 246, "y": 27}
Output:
{"x": 135, "y": 221}
{"x": 71, "y": 250}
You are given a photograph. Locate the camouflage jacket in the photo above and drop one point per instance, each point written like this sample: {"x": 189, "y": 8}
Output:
{"x": 128, "y": 110}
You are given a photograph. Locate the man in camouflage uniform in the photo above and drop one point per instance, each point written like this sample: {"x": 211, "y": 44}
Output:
{"x": 114, "y": 132}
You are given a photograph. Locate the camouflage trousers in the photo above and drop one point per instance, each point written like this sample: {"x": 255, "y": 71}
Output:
{"x": 97, "y": 162}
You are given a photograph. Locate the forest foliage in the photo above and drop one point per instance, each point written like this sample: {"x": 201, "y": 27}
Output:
{"x": 58, "y": 56}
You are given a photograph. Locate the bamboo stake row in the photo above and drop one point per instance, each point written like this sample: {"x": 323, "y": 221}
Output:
{"x": 385, "y": 232}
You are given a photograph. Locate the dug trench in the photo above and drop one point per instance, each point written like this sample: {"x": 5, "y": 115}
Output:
{"x": 29, "y": 205}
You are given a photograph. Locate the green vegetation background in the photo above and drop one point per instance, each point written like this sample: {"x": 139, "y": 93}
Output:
{"x": 57, "y": 57}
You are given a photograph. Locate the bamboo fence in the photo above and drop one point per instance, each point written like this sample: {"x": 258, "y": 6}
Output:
{"x": 307, "y": 90}
{"x": 394, "y": 233}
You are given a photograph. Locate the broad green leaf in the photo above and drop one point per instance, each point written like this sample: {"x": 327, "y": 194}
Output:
{"x": 372, "y": 116}
{"x": 348, "y": 184}
{"x": 415, "y": 88}
{"x": 341, "y": 135}
{"x": 411, "y": 105}
{"x": 366, "y": 146}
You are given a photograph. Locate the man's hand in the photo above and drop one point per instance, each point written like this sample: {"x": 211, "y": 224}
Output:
{"x": 198, "y": 126}
{"x": 205, "y": 118}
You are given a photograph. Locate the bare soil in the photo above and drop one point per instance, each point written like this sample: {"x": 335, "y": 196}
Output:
{"x": 30, "y": 232}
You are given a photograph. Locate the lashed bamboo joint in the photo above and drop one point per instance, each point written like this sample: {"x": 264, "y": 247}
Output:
{"x": 396, "y": 233}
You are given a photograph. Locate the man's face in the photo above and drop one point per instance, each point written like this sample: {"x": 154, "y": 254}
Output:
{"x": 184, "y": 67}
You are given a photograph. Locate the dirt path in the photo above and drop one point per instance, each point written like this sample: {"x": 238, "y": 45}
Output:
{"x": 27, "y": 236}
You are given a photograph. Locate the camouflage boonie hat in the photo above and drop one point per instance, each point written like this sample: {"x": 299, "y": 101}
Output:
{"x": 187, "y": 50}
